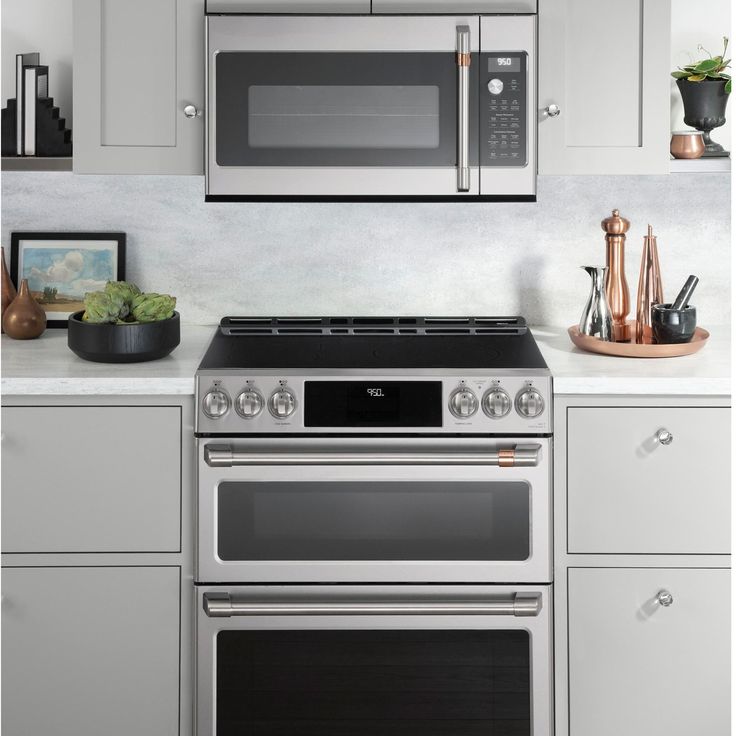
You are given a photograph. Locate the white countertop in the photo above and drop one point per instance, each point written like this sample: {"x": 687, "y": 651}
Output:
{"x": 46, "y": 366}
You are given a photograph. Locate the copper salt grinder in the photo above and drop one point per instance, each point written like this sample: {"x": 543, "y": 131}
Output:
{"x": 617, "y": 290}
{"x": 650, "y": 288}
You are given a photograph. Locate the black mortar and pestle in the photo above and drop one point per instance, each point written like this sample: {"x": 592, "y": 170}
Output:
{"x": 676, "y": 322}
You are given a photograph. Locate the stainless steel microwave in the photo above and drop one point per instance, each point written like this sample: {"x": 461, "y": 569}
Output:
{"x": 362, "y": 107}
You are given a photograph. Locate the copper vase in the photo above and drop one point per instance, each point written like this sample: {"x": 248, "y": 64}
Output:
{"x": 24, "y": 319}
{"x": 7, "y": 288}
{"x": 617, "y": 290}
{"x": 650, "y": 289}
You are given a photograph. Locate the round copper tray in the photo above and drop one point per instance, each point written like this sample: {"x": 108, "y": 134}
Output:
{"x": 633, "y": 350}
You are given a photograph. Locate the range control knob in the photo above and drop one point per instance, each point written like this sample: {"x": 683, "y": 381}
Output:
{"x": 282, "y": 403}
{"x": 529, "y": 402}
{"x": 215, "y": 403}
{"x": 496, "y": 403}
{"x": 463, "y": 403}
{"x": 249, "y": 404}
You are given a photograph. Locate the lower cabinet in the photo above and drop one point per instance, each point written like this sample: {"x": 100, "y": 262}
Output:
{"x": 91, "y": 651}
{"x": 649, "y": 651}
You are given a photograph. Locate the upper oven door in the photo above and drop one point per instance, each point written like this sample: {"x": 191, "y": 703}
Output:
{"x": 373, "y": 510}
{"x": 342, "y": 106}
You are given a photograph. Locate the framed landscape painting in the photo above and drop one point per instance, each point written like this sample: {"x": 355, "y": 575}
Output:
{"x": 62, "y": 267}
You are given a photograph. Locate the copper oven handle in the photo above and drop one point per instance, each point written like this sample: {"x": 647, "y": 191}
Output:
{"x": 223, "y": 456}
{"x": 463, "y": 108}
{"x": 222, "y": 605}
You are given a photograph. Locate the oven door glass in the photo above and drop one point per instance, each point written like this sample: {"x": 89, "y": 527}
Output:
{"x": 341, "y": 109}
{"x": 364, "y": 683}
{"x": 372, "y": 520}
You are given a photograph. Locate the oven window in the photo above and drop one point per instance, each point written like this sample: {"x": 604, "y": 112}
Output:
{"x": 390, "y": 520}
{"x": 365, "y": 683}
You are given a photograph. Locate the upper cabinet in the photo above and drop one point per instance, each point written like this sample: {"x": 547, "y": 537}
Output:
{"x": 138, "y": 86}
{"x": 604, "y": 86}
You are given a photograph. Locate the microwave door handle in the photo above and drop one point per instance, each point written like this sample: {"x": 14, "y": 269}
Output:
{"x": 222, "y": 605}
{"x": 463, "y": 108}
{"x": 224, "y": 456}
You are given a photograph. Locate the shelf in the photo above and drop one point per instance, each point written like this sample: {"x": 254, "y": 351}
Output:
{"x": 36, "y": 163}
{"x": 714, "y": 165}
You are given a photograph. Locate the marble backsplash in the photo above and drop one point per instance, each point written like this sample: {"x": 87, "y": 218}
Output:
{"x": 391, "y": 258}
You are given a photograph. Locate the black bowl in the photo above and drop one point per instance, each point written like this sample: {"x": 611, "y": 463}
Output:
{"x": 132, "y": 343}
{"x": 673, "y": 325}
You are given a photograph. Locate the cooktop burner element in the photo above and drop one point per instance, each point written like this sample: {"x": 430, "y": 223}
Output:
{"x": 263, "y": 375}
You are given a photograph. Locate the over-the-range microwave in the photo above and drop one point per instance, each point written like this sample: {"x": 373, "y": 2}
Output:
{"x": 366, "y": 100}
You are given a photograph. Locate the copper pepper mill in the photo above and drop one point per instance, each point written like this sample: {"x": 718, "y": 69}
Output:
{"x": 650, "y": 288}
{"x": 617, "y": 290}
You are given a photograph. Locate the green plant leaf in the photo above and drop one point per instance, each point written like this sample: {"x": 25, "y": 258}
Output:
{"x": 714, "y": 75}
{"x": 707, "y": 65}
{"x": 728, "y": 87}
{"x": 696, "y": 78}
{"x": 680, "y": 75}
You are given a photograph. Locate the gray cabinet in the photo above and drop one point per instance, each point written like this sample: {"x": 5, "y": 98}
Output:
{"x": 639, "y": 667}
{"x": 605, "y": 65}
{"x": 90, "y": 650}
{"x": 137, "y": 65}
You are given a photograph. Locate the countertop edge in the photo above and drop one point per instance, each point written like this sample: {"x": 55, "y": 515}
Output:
{"x": 50, "y": 386}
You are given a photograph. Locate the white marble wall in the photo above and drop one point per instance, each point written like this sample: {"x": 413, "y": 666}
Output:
{"x": 440, "y": 259}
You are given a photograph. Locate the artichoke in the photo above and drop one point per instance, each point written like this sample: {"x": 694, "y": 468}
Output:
{"x": 101, "y": 308}
{"x": 152, "y": 307}
{"x": 125, "y": 290}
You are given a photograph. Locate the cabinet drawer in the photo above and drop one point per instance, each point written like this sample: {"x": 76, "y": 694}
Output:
{"x": 637, "y": 667}
{"x": 627, "y": 493}
{"x": 91, "y": 479}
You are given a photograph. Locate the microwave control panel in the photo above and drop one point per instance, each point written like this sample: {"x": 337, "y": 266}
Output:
{"x": 503, "y": 109}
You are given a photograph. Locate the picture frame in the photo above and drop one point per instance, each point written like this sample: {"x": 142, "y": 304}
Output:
{"x": 62, "y": 266}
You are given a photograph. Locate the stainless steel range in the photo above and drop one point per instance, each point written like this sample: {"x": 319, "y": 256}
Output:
{"x": 374, "y": 531}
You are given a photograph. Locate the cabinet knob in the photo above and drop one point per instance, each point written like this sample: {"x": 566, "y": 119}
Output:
{"x": 664, "y": 436}
{"x": 664, "y": 598}
{"x": 191, "y": 111}
{"x": 552, "y": 110}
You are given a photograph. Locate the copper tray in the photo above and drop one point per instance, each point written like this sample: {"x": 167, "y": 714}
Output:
{"x": 633, "y": 350}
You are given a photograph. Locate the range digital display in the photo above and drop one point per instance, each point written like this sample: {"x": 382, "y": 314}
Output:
{"x": 504, "y": 64}
{"x": 374, "y": 404}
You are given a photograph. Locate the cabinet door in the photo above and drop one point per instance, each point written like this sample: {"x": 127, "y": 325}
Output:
{"x": 137, "y": 65}
{"x": 639, "y": 668}
{"x": 606, "y": 66}
{"x": 90, "y": 651}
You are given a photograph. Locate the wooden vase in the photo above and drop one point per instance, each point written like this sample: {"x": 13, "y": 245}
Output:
{"x": 24, "y": 319}
{"x": 7, "y": 288}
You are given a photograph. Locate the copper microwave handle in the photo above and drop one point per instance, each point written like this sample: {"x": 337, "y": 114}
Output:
{"x": 222, "y": 605}
{"x": 224, "y": 456}
{"x": 463, "y": 108}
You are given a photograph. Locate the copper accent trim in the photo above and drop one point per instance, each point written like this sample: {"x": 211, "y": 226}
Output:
{"x": 506, "y": 458}
{"x": 463, "y": 59}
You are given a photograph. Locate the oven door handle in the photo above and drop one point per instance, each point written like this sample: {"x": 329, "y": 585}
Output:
{"x": 463, "y": 108}
{"x": 224, "y": 456}
{"x": 222, "y": 605}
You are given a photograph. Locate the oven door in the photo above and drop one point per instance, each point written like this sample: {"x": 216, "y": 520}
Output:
{"x": 342, "y": 106}
{"x": 368, "y": 510}
{"x": 374, "y": 661}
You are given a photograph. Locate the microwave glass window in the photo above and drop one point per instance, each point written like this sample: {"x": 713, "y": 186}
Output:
{"x": 343, "y": 116}
{"x": 362, "y": 520}
{"x": 364, "y": 683}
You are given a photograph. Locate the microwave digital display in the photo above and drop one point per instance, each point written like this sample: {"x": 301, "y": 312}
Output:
{"x": 504, "y": 64}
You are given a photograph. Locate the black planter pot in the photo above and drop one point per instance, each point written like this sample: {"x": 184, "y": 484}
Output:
{"x": 705, "y": 109}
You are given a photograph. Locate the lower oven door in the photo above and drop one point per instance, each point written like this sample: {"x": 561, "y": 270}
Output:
{"x": 374, "y": 661}
{"x": 374, "y": 510}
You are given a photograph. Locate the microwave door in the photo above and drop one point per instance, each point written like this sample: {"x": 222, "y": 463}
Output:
{"x": 343, "y": 106}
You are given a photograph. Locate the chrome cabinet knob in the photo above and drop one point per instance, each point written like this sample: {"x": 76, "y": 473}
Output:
{"x": 463, "y": 403}
{"x": 282, "y": 403}
{"x": 249, "y": 404}
{"x": 664, "y": 598}
{"x": 496, "y": 403}
{"x": 529, "y": 403}
{"x": 191, "y": 111}
{"x": 215, "y": 403}
{"x": 552, "y": 110}
{"x": 664, "y": 437}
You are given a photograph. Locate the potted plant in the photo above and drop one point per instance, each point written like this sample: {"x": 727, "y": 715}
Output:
{"x": 705, "y": 88}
